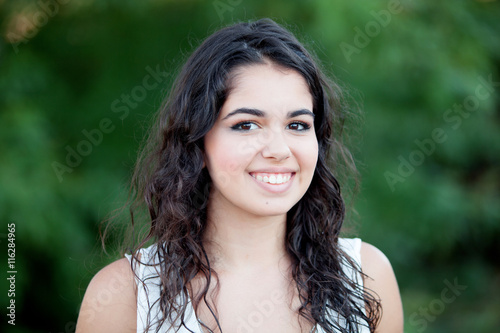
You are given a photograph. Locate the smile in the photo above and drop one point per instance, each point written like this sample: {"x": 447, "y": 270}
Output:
{"x": 272, "y": 178}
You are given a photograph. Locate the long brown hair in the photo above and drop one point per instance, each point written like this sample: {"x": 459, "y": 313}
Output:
{"x": 171, "y": 182}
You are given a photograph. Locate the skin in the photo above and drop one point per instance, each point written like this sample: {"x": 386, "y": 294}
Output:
{"x": 246, "y": 228}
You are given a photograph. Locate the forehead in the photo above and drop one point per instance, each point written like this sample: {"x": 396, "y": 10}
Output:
{"x": 267, "y": 87}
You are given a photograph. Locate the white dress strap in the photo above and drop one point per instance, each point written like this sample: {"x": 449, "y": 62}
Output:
{"x": 148, "y": 295}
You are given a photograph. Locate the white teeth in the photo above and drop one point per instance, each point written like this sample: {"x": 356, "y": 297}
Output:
{"x": 273, "y": 179}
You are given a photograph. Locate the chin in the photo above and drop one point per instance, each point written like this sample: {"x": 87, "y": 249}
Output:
{"x": 271, "y": 209}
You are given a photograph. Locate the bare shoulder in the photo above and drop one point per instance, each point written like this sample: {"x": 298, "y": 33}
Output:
{"x": 381, "y": 280}
{"x": 109, "y": 304}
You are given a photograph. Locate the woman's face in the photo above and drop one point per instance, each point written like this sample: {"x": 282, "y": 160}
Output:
{"x": 262, "y": 151}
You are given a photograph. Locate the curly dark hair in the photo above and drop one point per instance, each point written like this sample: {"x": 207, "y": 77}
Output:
{"x": 170, "y": 180}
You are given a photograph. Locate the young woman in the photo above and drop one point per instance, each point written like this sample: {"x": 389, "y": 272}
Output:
{"x": 245, "y": 209}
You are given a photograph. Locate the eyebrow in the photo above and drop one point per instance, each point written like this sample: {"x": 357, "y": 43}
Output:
{"x": 262, "y": 114}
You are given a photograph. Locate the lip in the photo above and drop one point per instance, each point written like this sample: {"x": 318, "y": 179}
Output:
{"x": 274, "y": 188}
{"x": 274, "y": 170}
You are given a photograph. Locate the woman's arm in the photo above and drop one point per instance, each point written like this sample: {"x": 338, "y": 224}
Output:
{"x": 381, "y": 280}
{"x": 109, "y": 304}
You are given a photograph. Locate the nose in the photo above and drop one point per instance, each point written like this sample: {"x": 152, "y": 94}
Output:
{"x": 276, "y": 147}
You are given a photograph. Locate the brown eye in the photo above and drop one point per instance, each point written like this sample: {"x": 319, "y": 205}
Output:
{"x": 299, "y": 126}
{"x": 244, "y": 126}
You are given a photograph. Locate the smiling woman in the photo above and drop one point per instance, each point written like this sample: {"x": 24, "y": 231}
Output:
{"x": 244, "y": 209}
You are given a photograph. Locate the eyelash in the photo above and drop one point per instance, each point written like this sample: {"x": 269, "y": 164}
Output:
{"x": 238, "y": 126}
{"x": 305, "y": 126}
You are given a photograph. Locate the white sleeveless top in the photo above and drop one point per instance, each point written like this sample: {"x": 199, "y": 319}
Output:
{"x": 148, "y": 291}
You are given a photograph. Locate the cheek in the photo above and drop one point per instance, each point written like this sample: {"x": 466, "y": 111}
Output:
{"x": 307, "y": 153}
{"x": 227, "y": 158}
{"x": 314, "y": 153}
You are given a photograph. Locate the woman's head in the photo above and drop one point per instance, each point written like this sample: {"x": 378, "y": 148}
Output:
{"x": 203, "y": 85}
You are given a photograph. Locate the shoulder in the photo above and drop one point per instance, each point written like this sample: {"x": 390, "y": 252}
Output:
{"x": 381, "y": 280}
{"x": 109, "y": 304}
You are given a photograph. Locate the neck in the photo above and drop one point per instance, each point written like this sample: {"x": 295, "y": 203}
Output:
{"x": 236, "y": 240}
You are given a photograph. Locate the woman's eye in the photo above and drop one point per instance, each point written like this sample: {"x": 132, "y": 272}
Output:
{"x": 244, "y": 126}
{"x": 299, "y": 126}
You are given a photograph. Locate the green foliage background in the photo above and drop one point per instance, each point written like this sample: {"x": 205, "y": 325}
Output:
{"x": 439, "y": 221}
